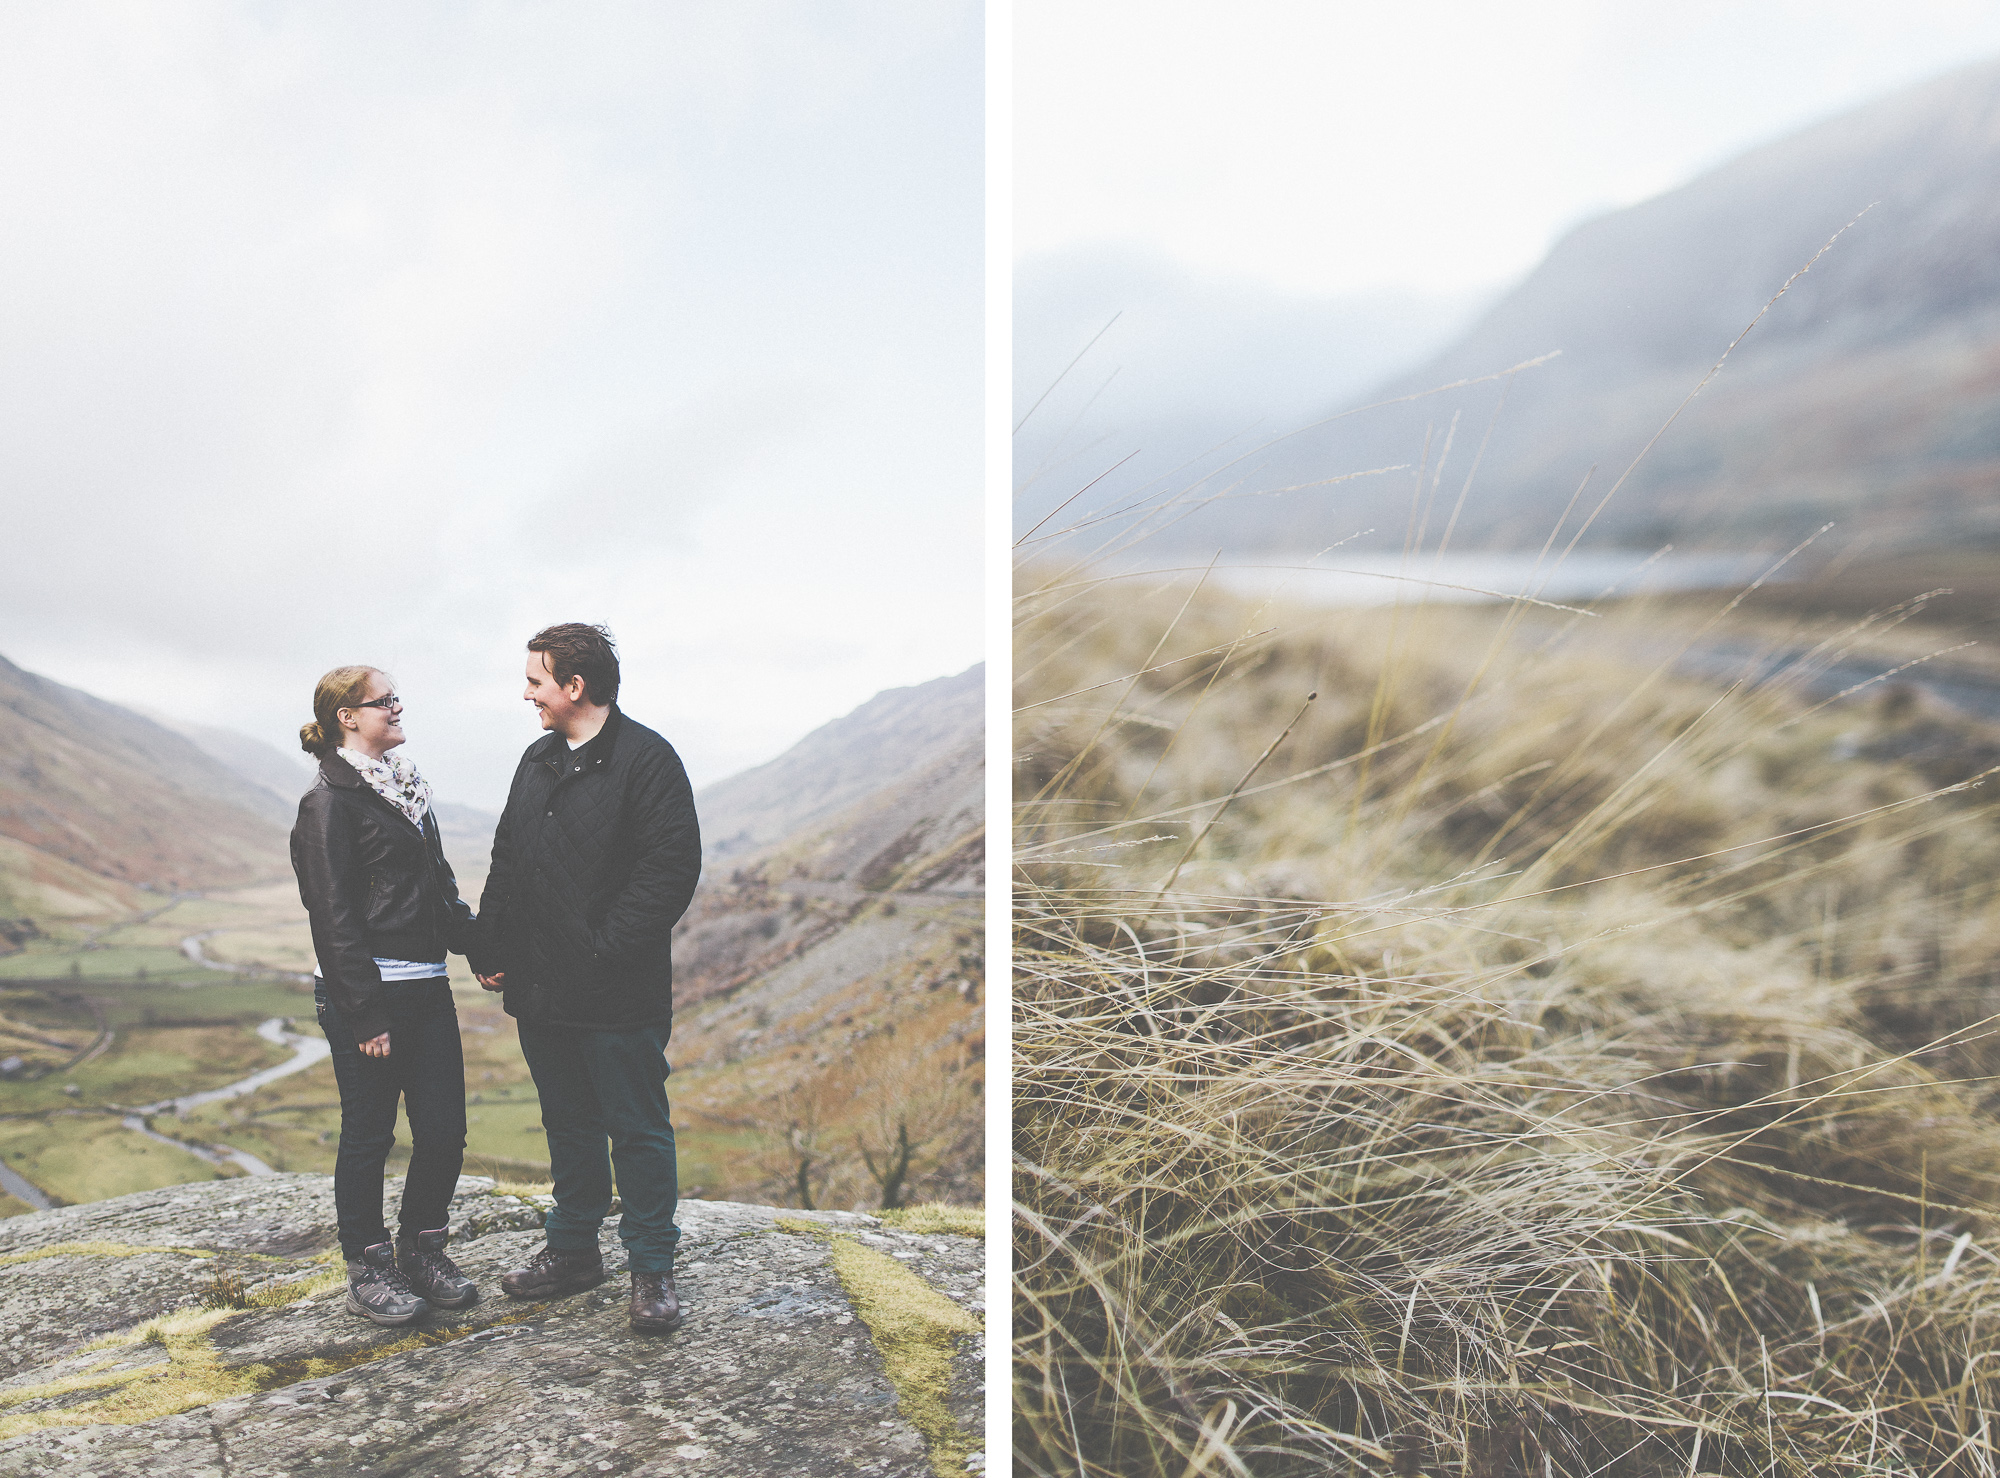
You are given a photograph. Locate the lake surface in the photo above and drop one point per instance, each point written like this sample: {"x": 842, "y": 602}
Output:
{"x": 1383, "y": 579}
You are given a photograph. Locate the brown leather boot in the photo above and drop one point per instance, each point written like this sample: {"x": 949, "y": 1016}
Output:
{"x": 655, "y": 1307}
{"x": 555, "y": 1271}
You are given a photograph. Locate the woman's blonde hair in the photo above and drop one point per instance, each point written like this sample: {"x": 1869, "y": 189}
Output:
{"x": 341, "y": 688}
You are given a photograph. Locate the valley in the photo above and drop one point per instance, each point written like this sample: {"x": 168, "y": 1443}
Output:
{"x": 828, "y": 994}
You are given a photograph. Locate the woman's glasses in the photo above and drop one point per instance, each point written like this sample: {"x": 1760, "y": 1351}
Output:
{"x": 392, "y": 700}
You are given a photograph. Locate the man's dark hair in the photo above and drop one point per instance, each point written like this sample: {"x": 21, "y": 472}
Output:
{"x": 576, "y": 650}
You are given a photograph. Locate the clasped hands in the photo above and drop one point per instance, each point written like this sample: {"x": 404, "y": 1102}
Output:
{"x": 379, "y": 1046}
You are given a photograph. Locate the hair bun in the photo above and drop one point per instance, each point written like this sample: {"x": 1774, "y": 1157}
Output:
{"x": 312, "y": 738}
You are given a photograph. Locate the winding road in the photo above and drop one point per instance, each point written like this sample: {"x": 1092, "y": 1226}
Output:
{"x": 24, "y": 1189}
{"x": 191, "y": 947}
{"x": 307, "y": 1050}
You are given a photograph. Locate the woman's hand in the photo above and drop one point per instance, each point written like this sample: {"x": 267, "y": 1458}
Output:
{"x": 496, "y": 981}
{"x": 376, "y": 1046}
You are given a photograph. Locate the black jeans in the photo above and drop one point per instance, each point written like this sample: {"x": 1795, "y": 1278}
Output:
{"x": 425, "y": 1068}
{"x": 602, "y": 1088}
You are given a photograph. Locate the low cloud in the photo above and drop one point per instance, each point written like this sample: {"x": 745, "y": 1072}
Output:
{"x": 389, "y": 334}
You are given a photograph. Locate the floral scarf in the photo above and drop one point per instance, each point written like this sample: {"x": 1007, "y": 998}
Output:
{"x": 394, "y": 779}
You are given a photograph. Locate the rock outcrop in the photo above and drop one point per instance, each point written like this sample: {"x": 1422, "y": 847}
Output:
{"x": 200, "y": 1330}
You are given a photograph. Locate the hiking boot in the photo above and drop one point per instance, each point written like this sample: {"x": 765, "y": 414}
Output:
{"x": 377, "y": 1289}
{"x": 432, "y": 1274}
{"x": 655, "y": 1307}
{"x": 555, "y": 1271}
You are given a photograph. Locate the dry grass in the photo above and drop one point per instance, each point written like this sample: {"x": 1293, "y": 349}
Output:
{"x": 1543, "y": 1065}
{"x": 937, "y": 1216}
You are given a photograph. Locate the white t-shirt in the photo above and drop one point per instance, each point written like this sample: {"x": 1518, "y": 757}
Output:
{"x": 407, "y": 969}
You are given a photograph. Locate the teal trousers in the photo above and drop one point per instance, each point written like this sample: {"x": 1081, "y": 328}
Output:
{"x": 604, "y": 1109}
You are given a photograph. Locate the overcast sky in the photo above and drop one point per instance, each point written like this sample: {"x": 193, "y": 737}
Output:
{"x": 387, "y": 333}
{"x": 1291, "y": 199}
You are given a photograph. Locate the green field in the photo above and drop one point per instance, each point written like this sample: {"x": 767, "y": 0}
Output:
{"x": 86, "y": 1157}
{"x": 43, "y": 958}
{"x": 148, "y": 946}
{"x": 294, "y": 1123}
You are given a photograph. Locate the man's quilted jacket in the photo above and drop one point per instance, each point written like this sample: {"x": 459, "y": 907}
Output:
{"x": 594, "y": 861}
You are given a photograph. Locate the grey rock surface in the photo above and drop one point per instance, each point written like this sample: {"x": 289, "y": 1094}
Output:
{"x": 774, "y": 1372}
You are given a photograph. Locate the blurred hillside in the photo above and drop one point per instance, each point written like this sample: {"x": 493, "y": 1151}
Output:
{"x": 1870, "y": 393}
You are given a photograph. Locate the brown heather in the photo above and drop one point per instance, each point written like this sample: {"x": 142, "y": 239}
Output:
{"x": 1545, "y": 1064}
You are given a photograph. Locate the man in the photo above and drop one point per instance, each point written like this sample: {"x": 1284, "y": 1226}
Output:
{"x": 594, "y": 861}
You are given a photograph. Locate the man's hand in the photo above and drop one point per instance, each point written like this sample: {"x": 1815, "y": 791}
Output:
{"x": 496, "y": 981}
{"x": 376, "y": 1046}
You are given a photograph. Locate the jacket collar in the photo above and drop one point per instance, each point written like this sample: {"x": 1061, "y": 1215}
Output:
{"x": 336, "y": 771}
{"x": 544, "y": 748}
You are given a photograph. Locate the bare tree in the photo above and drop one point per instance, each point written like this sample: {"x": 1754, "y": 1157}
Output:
{"x": 938, "y": 1098}
{"x": 894, "y": 1169}
{"x": 795, "y": 1155}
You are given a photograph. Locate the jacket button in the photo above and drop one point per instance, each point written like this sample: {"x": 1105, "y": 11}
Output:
{"x": 549, "y": 813}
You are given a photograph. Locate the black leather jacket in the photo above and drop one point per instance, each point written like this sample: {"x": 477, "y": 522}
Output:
{"x": 373, "y": 885}
{"x": 594, "y": 861}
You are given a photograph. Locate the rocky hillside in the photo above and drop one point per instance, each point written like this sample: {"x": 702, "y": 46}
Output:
{"x": 1869, "y": 394}
{"x": 199, "y": 1329}
{"x": 95, "y": 797}
{"x": 827, "y": 979}
{"x": 888, "y": 800}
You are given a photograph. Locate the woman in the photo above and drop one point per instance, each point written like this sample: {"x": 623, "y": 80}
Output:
{"x": 384, "y": 908}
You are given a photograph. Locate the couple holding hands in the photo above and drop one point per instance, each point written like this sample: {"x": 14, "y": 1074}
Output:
{"x": 595, "y": 859}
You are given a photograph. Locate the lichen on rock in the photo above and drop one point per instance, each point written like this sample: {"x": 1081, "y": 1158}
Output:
{"x": 110, "y": 1362}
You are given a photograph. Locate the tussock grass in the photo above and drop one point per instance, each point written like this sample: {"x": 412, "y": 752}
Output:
{"x": 1532, "y": 1062}
{"x": 97, "y": 1249}
{"x": 523, "y": 1188}
{"x": 225, "y": 1290}
{"x": 936, "y": 1216}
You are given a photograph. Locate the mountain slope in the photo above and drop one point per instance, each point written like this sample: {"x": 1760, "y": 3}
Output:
{"x": 113, "y": 793}
{"x": 909, "y": 767}
{"x": 841, "y": 762}
{"x": 1870, "y": 393}
{"x": 285, "y": 775}
{"x": 827, "y": 982}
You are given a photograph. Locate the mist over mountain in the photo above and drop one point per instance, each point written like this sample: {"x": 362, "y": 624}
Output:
{"x": 886, "y": 742}
{"x": 286, "y": 776}
{"x": 94, "y": 795}
{"x": 1868, "y": 394}
{"x": 1184, "y": 371}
